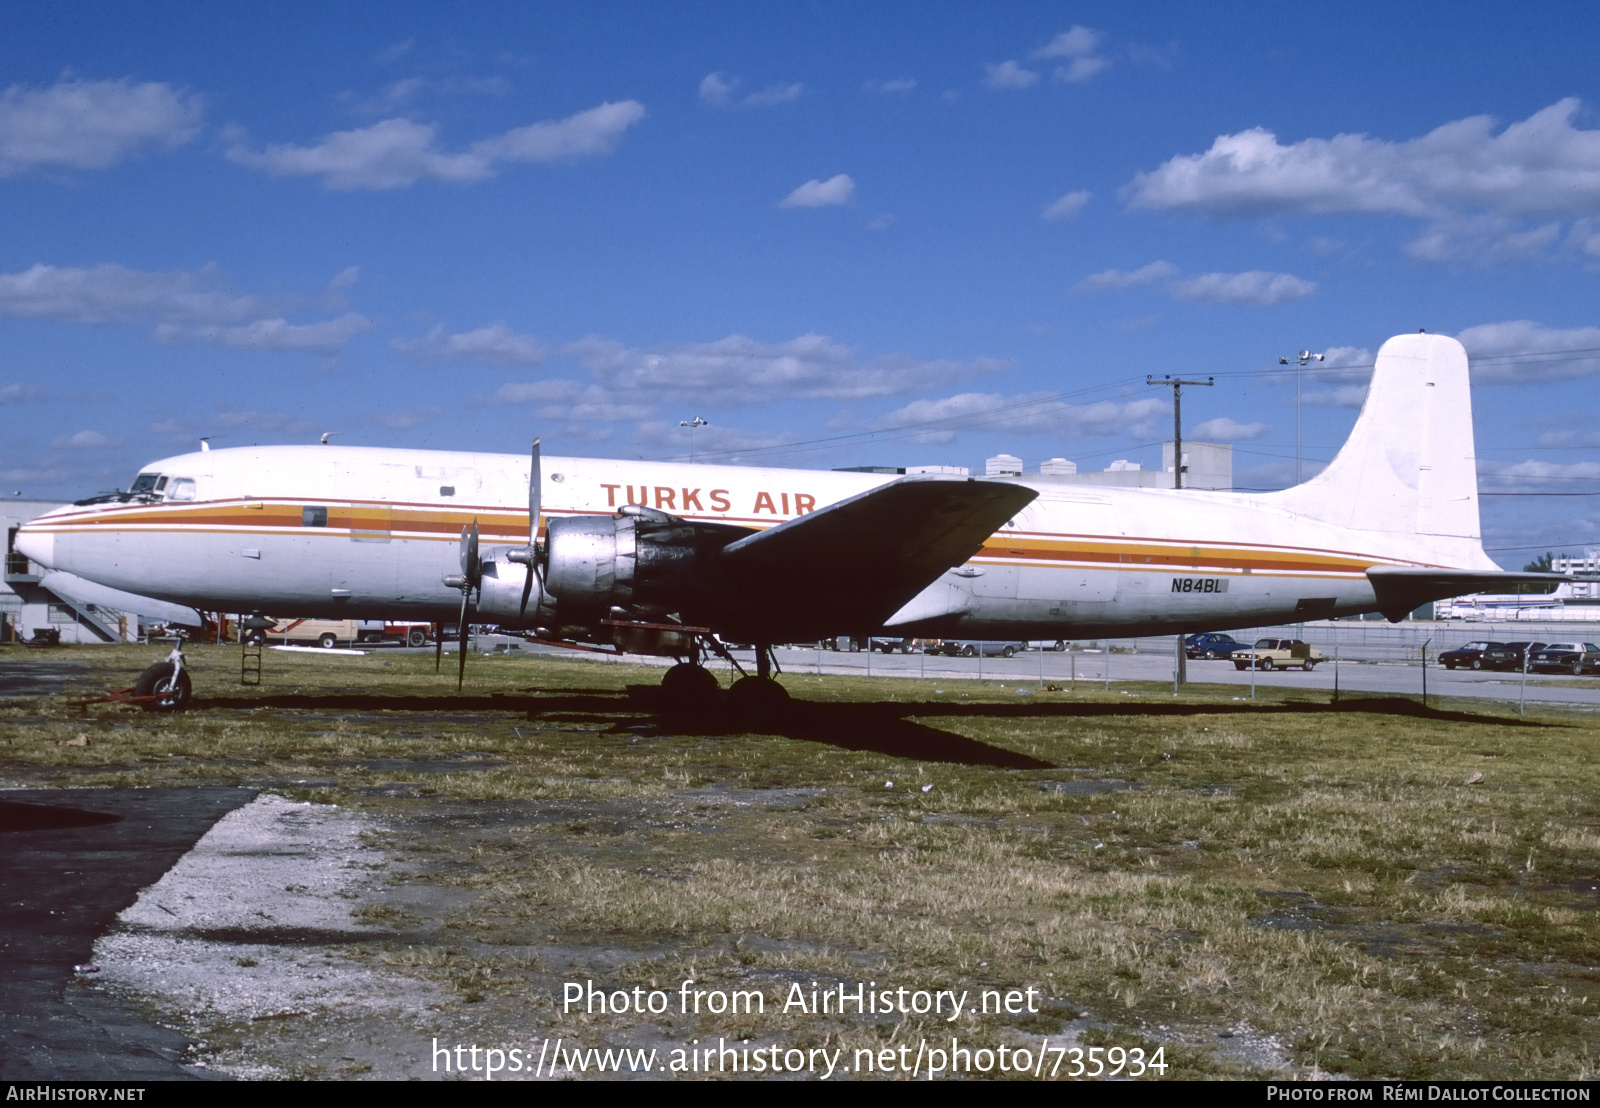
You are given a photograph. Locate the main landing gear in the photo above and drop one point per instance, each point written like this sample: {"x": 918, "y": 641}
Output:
{"x": 692, "y": 692}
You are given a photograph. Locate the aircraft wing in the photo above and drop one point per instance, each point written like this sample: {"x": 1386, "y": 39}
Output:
{"x": 847, "y": 567}
{"x": 1401, "y": 589}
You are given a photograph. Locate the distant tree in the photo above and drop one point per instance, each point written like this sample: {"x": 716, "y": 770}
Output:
{"x": 1541, "y": 564}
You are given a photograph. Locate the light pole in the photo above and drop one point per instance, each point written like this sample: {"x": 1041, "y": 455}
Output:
{"x": 1300, "y": 364}
{"x": 692, "y": 424}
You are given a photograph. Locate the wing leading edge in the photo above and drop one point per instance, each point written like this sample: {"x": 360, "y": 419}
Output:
{"x": 847, "y": 567}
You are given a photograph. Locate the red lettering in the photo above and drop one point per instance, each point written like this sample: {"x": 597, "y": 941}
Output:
{"x": 785, "y": 502}
{"x": 764, "y": 498}
{"x": 666, "y": 497}
{"x": 644, "y": 494}
{"x": 719, "y": 500}
{"x": 804, "y": 502}
{"x": 691, "y": 499}
{"x": 611, "y": 495}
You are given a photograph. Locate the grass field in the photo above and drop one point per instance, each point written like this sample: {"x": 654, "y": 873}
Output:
{"x": 1375, "y": 890}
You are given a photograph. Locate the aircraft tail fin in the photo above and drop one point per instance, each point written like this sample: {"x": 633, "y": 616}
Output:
{"x": 1409, "y": 467}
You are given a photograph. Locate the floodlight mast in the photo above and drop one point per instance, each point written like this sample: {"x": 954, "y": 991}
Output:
{"x": 1300, "y": 363}
{"x": 692, "y": 424}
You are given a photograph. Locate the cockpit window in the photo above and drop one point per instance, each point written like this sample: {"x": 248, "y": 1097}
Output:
{"x": 145, "y": 483}
{"x": 161, "y": 484}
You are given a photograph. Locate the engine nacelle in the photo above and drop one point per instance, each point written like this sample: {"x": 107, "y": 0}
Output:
{"x": 638, "y": 565}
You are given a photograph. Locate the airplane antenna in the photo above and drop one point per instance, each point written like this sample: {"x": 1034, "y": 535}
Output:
{"x": 205, "y": 442}
{"x": 326, "y": 435}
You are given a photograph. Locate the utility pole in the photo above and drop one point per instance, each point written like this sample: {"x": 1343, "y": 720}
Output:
{"x": 693, "y": 424}
{"x": 1181, "y": 670}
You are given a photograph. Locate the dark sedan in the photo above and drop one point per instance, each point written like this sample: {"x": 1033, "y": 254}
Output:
{"x": 1509, "y": 656}
{"x": 1212, "y": 644}
{"x": 1575, "y": 658}
{"x": 1467, "y": 657}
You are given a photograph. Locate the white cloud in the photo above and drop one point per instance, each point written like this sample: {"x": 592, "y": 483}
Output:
{"x": 904, "y": 84}
{"x": 819, "y": 194}
{"x": 586, "y": 134}
{"x": 1080, "y": 46}
{"x": 1524, "y": 352}
{"x": 776, "y": 94}
{"x": 1068, "y": 206}
{"x": 739, "y": 371}
{"x": 1536, "y": 475}
{"x": 1124, "y": 279}
{"x": 1255, "y": 287}
{"x": 717, "y": 90}
{"x": 536, "y": 392}
{"x": 1009, "y": 74}
{"x": 270, "y": 334}
{"x": 183, "y": 303}
{"x": 1223, "y": 429}
{"x": 91, "y": 124}
{"x": 109, "y": 293}
{"x": 1474, "y": 187}
{"x": 1028, "y": 414}
{"x": 20, "y": 394}
{"x": 395, "y": 153}
{"x": 1339, "y": 396}
{"x": 495, "y": 343}
{"x": 84, "y": 440}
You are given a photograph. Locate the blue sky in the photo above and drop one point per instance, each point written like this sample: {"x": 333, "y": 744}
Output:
{"x": 845, "y": 234}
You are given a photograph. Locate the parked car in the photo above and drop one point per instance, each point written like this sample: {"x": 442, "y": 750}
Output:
{"x": 1212, "y": 644}
{"x": 1470, "y": 656}
{"x": 1509, "y": 655}
{"x": 971, "y": 648}
{"x": 1573, "y": 657}
{"x": 1277, "y": 654}
{"x": 895, "y": 646}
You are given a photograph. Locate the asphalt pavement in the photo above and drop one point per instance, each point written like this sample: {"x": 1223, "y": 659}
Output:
{"x": 70, "y": 861}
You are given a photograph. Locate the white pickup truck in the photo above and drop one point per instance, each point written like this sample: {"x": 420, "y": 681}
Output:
{"x": 1277, "y": 654}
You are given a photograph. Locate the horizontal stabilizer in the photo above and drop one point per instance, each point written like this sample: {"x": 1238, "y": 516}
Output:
{"x": 851, "y": 565}
{"x": 1401, "y": 589}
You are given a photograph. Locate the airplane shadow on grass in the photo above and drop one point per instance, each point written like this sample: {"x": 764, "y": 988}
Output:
{"x": 895, "y": 728}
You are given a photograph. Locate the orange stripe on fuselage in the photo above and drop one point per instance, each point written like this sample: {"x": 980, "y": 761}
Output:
{"x": 431, "y": 522}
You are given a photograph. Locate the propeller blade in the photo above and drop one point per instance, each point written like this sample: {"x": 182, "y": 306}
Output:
{"x": 438, "y": 646}
{"x": 471, "y": 569}
{"x": 461, "y": 640}
{"x": 535, "y": 502}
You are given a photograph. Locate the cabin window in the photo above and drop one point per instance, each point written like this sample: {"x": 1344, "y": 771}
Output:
{"x": 314, "y": 517}
{"x": 447, "y": 490}
{"x": 182, "y": 488}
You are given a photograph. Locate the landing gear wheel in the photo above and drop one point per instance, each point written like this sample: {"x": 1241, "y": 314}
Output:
{"x": 1267, "y": 663}
{"x": 759, "y": 699}
{"x": 328, "y": 641}
{"x": 172, "y": 695}
{"x": 417, "y": 637}
{"x": 690, "y": 688}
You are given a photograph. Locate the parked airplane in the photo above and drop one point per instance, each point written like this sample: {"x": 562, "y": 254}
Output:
{"x": 669, "y": 559}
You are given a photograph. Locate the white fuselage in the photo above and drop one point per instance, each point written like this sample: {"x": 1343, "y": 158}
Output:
{"x": 372, "y": 533}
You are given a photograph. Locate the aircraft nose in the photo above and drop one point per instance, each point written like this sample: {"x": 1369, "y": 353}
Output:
{"x": 38, "y": 546}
